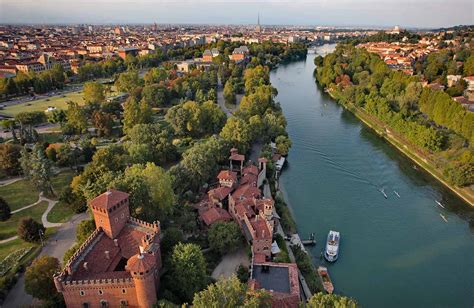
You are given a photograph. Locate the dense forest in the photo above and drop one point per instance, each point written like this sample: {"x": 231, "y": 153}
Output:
{"x": 429, "y": 120}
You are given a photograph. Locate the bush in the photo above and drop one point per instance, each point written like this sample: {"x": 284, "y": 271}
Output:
{"x": 243, "y": 273}
{"x": 5, "y": 211}
{"x": 30, "y": 230}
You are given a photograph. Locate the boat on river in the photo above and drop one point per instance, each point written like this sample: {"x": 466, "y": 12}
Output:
{"x": 440, "y": 204}
{"x": 332, "y": 246}
{"x": 325, "y": 279}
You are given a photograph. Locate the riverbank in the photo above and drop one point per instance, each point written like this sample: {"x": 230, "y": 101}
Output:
{"x": 401, "y": 145}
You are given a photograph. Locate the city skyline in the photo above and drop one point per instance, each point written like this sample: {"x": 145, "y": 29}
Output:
{"x": 365, "y": 13}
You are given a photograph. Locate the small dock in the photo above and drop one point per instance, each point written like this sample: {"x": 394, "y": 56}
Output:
{"x": 309, "y": 242}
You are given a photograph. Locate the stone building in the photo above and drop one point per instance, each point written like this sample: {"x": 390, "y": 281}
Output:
{"x": 119, "y": 264}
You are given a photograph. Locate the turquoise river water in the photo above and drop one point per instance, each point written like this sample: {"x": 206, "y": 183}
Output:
{"x": 395, "y": 252}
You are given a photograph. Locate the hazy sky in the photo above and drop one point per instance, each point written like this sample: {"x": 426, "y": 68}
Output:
{"x": 406, "y": 13}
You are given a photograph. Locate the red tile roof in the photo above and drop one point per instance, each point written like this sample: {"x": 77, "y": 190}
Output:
{"x": 140, "y": 263}
{"x": 220, "y": 192}
{"x": 227, "y": 175}
{"x": 246, "y": 191}
{"x": 215, "y": 214}
{"x": 108, "y": 199}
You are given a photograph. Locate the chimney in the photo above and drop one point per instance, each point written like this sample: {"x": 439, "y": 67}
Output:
{"x": 107, "y": 254}
{"x": 116, "y": 242}
{"x": 85, "y": 266}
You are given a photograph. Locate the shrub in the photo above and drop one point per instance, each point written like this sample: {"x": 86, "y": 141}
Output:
{"x": 5, "y": 211}
{"x": 30, "y": 230}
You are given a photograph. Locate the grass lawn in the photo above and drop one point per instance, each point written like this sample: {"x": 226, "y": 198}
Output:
{"x": 62, "y": 180}
{"x": 8, "y": 228}
{"x": 22, "y": 193}
{"x": 19, "y": 194}
{"x": 58, "y": 101}
{"x": 9, "y": 247}
{"x": 52, "y": 137}
{"x": 61, "y": 212}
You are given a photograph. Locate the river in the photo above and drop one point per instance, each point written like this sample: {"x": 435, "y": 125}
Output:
{"x": 395, "y": 252}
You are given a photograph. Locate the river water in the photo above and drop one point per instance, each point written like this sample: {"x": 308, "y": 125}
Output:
{"x": 395, "y": 252}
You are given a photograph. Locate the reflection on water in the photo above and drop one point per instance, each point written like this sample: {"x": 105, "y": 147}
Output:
{"x": 395, "y": 251}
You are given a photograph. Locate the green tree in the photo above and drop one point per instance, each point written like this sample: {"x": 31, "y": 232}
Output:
{"x": 155, "y": 75}
{"x": 171, "y": 237}
{"x": 136, "y": 113}
{"x": 229, "y": 293}
{"x": 76, "y": 117}
{"x": 5, "y": 211}
{"x": 127, "y": 81}
{"x": 224, "y": 237}
{"x": 229, "y": 95}
{"x": 320, "y": 300}
{"x": 283, "y": 144}
{"x": 237, "y": 132}
{"x": 469, "y": 66}
{"x": 9, "y": 158}
{"x": 188, "y": 269}
{"x": 30, "y": 230}
{"x": 151, "y": 143}
{"x": 37, "y": 169}
{"x": 39, "y": 279}
{"x": 94, "y": 92}
{"x": 150, "y": 189}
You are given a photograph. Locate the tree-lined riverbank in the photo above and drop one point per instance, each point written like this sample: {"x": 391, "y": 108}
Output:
{"x": 335, "y": 171}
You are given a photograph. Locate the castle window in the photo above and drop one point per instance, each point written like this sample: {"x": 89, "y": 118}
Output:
{"x": 85, "y": 305}
{"x": 123, "y": 215}
{"x": 82, "y": 293}
{"x": 124, "y": 291}
{"x": 116, "y": 219}
{"x": 101, "y": 292}
{"x": 104, "y": 304}
{"x": 123, "y": 303}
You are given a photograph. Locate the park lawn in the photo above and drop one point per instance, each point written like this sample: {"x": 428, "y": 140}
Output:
{"x": 11, "y": 246}
{"x": 61, "y": 181}
{"x": 61, "y": 212}
{"x": 8, "y": 228}
{"x": 22, "y": 193}
{"x": 52, "y": 137}
{"x": 19, "y": 194}
{"x": 59, "y": 101}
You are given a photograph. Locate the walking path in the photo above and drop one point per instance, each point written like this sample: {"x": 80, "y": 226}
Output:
{"x": 230, "y": 263}
{"x": 10, "y": 181}
{"x": 9, "y": 239}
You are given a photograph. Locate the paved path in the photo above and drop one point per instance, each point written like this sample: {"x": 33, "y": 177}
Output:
{"x": 56, "y": 246}
{"x": 10, "y": 181}
{"x": 9, "y": 239}
{"x": 220, "y": 98}
{"x": 44, "y": 217}
{"x": 230, "y": 263}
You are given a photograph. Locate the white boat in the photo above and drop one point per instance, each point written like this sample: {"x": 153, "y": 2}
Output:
{"x": 396, "y": 193}
{"x": 384, "y": 194}
{"x": 439, "y": 203}
{"x": 332, "y": 246}
{"x": 444, "y": 218}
